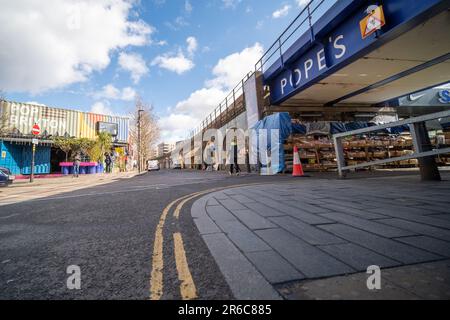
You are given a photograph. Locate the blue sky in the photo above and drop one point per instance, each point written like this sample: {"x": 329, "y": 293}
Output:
{"x": 182, "y": 56}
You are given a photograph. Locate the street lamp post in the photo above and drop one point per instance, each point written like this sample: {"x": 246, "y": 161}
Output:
{"x": 139, "y": 141}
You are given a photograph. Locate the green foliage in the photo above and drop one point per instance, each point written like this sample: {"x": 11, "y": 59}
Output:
{"x": 95, "y": 152}
{"x": 95, "y": 149}
{"x": 65, "y": 144}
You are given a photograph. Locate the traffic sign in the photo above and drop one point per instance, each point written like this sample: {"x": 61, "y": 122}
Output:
{"x": 36, "y": 130}
{"x": 373, "y": 22}
{"x": 34, "y": 141}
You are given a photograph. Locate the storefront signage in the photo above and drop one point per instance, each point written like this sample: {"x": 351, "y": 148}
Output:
{"x": 373, "y": 22}
{"x": 111, "y": 128}
{"x": 444, "y": 96}
{"x": 307, "y": 62}
{"x": 24, "y": 115}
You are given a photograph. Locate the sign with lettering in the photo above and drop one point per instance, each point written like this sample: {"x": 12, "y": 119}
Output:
{"x": 373, "y": 22}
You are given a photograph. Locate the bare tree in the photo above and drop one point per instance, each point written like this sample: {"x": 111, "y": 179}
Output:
{"x": 144, "y": 130}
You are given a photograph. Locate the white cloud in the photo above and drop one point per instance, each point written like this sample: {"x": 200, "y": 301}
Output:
{"x": 133, "y": 63}
{"x": 54, "y": 43}
{"x": 35, "y": 103}
{"x": 101, "y": 108}
{"x": 302, "y": 3}
{"x": 176, "y": 63}
{"x": 177, "y": 24}
{"x": 188, "y": 113}
{"x": 192, "y": 45}
{"x": 111, "y": 92}
{"x": 230, "y": 70}
{"x": 188, "y": 6}
{"x": 128, "y": 94}
{"x": 282, "y": 12}
{"x": 231, "y": 3}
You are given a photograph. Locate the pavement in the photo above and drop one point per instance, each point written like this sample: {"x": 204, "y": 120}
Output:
{"x": 205, "y": 235}
{"x": 23, "y": 190}
{"x": 272, "y": 241}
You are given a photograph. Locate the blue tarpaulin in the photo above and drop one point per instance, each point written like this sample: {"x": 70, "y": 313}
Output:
{"x": 279, "y": 121}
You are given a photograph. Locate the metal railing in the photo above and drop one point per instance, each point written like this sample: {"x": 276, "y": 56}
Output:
{"x": 294, "y": 31}
{"x": 419, "y": 151}
{"x": 230, "y": 103}
{"x": 298, "y": 27}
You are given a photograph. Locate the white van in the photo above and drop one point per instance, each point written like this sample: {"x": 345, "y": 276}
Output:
{"x": 153, "y": 165}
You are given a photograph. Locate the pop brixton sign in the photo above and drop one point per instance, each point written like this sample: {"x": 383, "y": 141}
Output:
{"x": 28, "y": 115}
{"x": 336, "y": 49}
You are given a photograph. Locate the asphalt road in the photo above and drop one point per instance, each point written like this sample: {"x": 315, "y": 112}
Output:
{"x": 108, "y": 231}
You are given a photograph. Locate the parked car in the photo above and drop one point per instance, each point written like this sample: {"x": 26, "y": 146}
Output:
{"x": 6, "y": 177}
{"x": 176, "y": 166}
{"x": 153, "y": 165}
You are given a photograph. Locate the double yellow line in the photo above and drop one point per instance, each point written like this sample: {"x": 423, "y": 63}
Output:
{"x": 187, "y": 287}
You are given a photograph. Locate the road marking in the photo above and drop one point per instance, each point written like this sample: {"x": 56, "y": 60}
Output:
{"x": 187, "y": 286}
{"x": 177, "y": 211}
{"x": 156, "y": 280}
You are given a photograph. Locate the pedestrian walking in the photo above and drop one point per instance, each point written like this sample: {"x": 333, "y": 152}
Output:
{"x": 108, "y": 162}
{"x": 76, "y": 165}
{"x": 210, "y": 155}
{"x": 233, "y": 157}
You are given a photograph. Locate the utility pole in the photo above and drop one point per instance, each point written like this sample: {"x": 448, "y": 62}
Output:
{"x": 139, "y": 141}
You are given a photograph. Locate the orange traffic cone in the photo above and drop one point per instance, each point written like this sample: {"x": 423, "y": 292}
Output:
{"x": 298, "y": 169}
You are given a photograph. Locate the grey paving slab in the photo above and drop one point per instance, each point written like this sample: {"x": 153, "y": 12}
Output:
{"x": 212, "y": 202}
{"x": 206, "y": 226}
{"x": 309, "y": 260}
{"x": 441, "y": 216}
{"x": 231, "y": 204}
{"x": 388, "y": 209}
{"x": 306, "y": 232}
{"x": 274, "y": 268}
{"x": 433, "y": 245}
{"x": 244, "y": 280}
{"x": 253, "y": 220}
{"x": 220, "y": 195}
{"x": 198, "y": 207}
{"x": 265, "y": 192}
{"x": 242, "y": 199}
{"x": 264, "y": 210}
{"x": 310, "y": 208}
{"x": 231, "y": 226}
{"x": 387, "y": 247}
{"x": 346, "y": 203}
{"x": 247, "y": 241}
{"x": 444, "y": 208}
{"x": 287, "y": 210}
{"x": 358, "y": 257}
{"x": 352, "y": 211}
{"x": 370, "y": 226}
{"x": 402, "y": 213}
{"x": 219, "y": 213}
{"x": 419, "y": 228}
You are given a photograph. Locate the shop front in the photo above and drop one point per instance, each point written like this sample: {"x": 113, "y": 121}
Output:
{"x": 16, "y": 140}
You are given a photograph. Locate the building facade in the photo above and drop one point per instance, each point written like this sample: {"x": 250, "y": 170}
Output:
{"x": 16, "y": 140}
